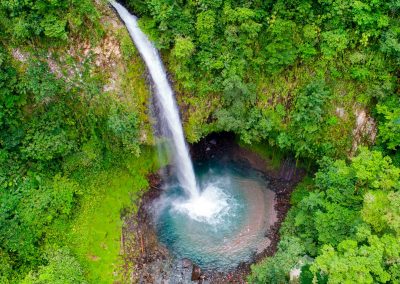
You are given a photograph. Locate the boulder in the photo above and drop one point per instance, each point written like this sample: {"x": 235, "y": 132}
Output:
{"x": 196, "y": 272}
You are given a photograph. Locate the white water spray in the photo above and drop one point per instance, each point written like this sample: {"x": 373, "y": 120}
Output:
{"x": 165, "y": 97}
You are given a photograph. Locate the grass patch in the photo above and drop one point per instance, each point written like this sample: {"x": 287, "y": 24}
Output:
{"x": 96, "y": 231}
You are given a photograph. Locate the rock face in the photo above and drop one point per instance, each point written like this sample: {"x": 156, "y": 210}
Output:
{"x": 294, "y": 275}
{"x": 196, "y": 273}
{"x": 20, "y": 55}
{"x": 364, "y": 131}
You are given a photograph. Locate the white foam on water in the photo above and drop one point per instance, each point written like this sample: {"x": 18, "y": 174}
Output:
{"x": 210, "y": 206}
{"x": 211, "y": 203}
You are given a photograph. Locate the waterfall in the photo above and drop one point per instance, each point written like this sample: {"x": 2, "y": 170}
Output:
{"x": 166, "y": 100}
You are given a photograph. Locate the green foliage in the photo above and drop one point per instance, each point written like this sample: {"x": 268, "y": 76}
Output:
{"x": 262, "y": 124}
{"x": 61, "y": 268}
{"x": 307, "y": 277}
{"x": 287, "y": 74}
{"x": 280, "y": 47}
{"x": 382, "y": 211}
{"x": 308, "y": 120}
{"x": 275, "y": 270}
{"x": 41, "y": 82}
{"x": 335, "y": 224}
{"x": 205, "y": 27}
{"x": 352, "y": 263}
{"x": 348, "y": 220}
{"x": 389, "y": 128}
{"x": 237, "y": 96}
{"x": 46, "y": 140}
{"x": 184, "y": 47}
{"x": 6, "y": 264}
{"x": 338, "y": 180}
{"x": 124, "y": 125}
{"x": 265, "y": 55}
{"x": 26, "y": 216}
{"x": 52, "y": 20}
{"x": 333, "y": 43}
{"x": 95, "y": 234}
{"x": 375, "y": 171}
{"x": 301, "y": 191}
{"x": 55, "y": 121}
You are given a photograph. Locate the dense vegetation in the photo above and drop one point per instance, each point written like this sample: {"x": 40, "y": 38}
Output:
{"x": 280, "y": 72}
{"x": 296, "y": 75}
{"x": 63, "y": 141}
{"x": 347, "y": 219}
{"x": 292, "y": 73}
{"x": 287, "y": 74}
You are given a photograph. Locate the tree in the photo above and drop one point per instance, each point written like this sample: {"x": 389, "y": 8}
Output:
{"x": 62, "y": 268}
{"x": 333, "y": 43}
{"x": 382, "y": 210}
{"x": 183, "y": 49}
{"x": 338, "y": 180}
{"x": 205, "y": 27}
{"x": 373, "y": 171}
{"x": 335, "y": 224}
{"x": 275, "y": 270}
{"x": 308, "y": 119}
{"x": 48, "y": 19}
{"x": 280, "y": 49}
{"x": 25, "y": 217}
{"x": 358, "y": 263}
{"x": 389, "y": 128}
{"x": 124, "y": 126}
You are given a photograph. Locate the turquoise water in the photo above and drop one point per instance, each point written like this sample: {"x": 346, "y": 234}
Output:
{"x": 237, "y": 196}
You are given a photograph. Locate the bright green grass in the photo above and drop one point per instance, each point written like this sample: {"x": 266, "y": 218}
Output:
{"x": 96, "y": 232}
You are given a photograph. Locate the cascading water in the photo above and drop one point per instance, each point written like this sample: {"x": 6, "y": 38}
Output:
{"x": 165, "y": 98}
{"x": 223, "y": 221}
